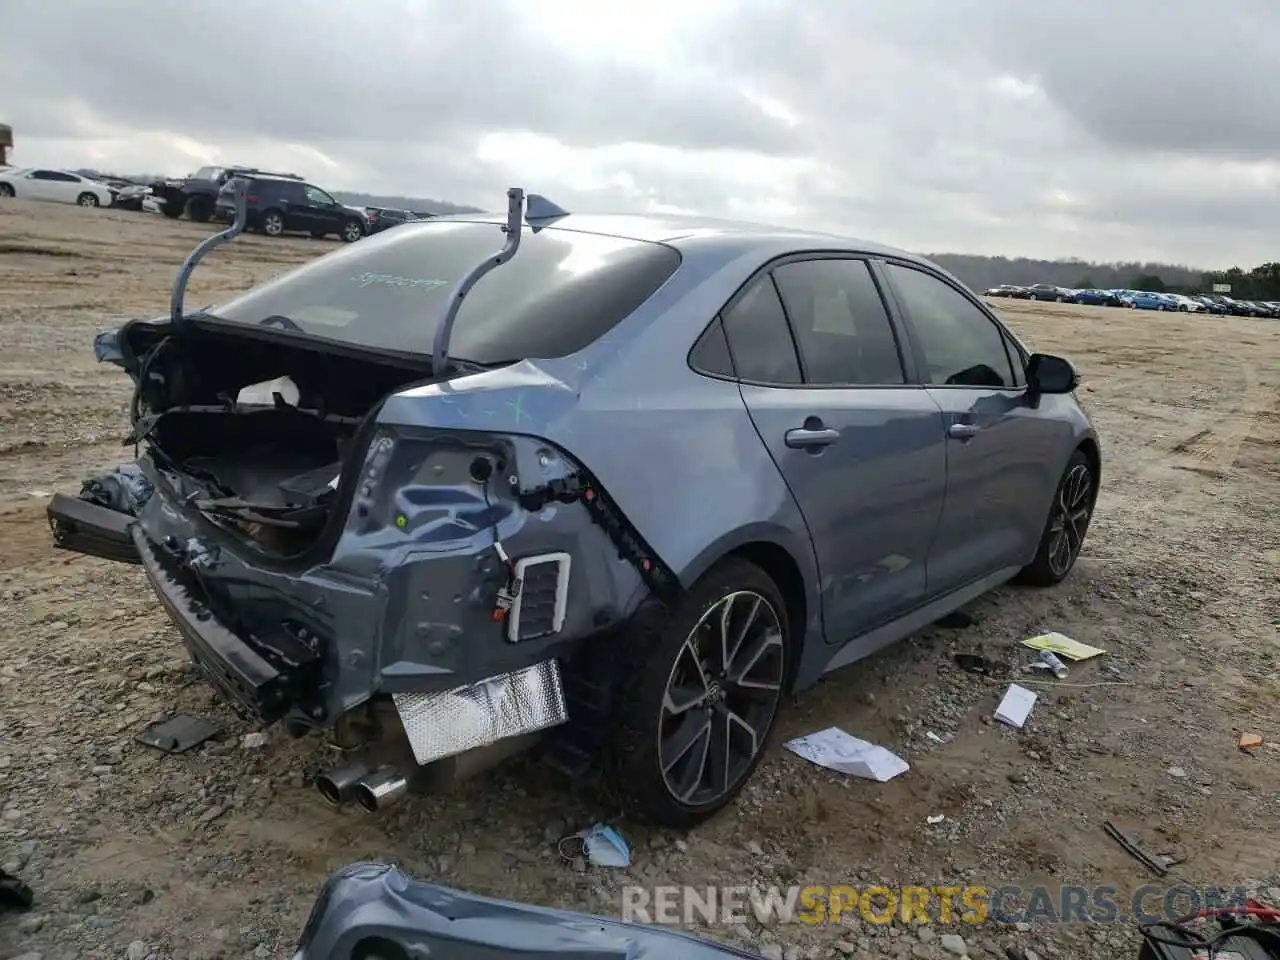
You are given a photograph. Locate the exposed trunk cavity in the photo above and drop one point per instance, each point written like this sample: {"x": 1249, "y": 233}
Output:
{"x": 263, "y": 464}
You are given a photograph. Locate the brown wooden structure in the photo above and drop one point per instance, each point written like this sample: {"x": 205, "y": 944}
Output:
{"x": 6, "y": 142}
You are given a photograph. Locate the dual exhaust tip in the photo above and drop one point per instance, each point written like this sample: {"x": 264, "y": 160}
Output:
{"x": 373, "y": 791}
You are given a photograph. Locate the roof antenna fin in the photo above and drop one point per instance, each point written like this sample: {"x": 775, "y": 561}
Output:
{"x": 239, "y": 190}
{"x": 539, "y": 213}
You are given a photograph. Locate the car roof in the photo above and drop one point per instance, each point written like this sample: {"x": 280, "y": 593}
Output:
{"x": 685, "y": 231}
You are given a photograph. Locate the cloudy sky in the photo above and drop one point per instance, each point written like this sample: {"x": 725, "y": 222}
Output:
{"x": 1129, "y": 129}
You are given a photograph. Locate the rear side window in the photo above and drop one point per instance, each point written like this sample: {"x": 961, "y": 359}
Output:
{"x": 962, "y": 346}
{"x": 840, "y": 322}
{"x": 759, "y": 339}
{"x": 711, "y": 352}
{"x": 559, "y": 293}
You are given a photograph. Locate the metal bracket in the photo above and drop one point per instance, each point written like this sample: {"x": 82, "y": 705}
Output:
{"x": 444, "y": 329}
{"x": 176, "y": 316}
{"x": 540, "y": 213}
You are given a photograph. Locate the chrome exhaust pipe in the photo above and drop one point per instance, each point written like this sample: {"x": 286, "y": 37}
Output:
{"x": 381, "y": 789}
{"x": 338, "y": 786}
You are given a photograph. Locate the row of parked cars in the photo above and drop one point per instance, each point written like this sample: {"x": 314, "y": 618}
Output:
{"x": 1141, "y": 300}
{"x": 278, "y": 203}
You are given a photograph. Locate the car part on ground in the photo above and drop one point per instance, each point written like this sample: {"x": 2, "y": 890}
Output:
{"x": 372, "y": 910}
{"x": 372, "y": 514}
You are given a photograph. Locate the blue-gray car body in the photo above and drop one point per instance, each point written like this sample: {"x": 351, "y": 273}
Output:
{"x": 876, "y": 508}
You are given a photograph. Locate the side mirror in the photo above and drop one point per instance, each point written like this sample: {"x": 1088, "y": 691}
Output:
{"x": 1047, "y": 374}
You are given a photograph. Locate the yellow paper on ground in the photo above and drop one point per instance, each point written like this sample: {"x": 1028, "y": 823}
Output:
{"x": 1063, "y": 646}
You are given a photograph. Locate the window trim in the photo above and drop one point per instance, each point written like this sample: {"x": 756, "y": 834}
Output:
{"x": 1006, "y": 336}
{"x": 901, "y": 333}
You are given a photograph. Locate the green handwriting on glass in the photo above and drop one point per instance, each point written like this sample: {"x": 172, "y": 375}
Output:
{"x": 388, "y": 280}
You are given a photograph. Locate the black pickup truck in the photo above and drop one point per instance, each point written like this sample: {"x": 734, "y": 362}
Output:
{"x": 197, "y": 194}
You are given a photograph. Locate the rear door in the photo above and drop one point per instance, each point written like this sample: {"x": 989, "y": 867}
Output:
{"x": 861, "y": 448}
{"x": 1000, "y": 450}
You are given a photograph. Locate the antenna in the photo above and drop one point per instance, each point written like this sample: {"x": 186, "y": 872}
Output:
{"x": 176, "y": 316}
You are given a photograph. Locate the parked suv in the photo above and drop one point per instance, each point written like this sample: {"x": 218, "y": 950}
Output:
{"x": 282, "y": 205}
{"x": 196, "y": 194}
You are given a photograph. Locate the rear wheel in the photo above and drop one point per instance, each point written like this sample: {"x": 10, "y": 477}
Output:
{"x": 1065, "y": 529}
{"x": 6, "y": 190}
{"x": 87, "y": 199}
{"x": 171, "y": 210}
{"x": 273, "y": 223}
{"x": 701, "y": 693}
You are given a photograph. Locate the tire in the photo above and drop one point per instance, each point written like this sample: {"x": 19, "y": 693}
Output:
{"x": 6, "y": 190}
{"x": 674, "y": 669}
{"x": 199, "y": 209}
{"x": 352, "y": 231}
{"x": 171, "y": 210}
{"x": 88, "y": 199}
{"x": 1061, "y": 540}
{"x": 273, "y": 223}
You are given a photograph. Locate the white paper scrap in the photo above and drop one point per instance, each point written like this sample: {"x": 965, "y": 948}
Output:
{"x": 1016, "y": 705}
{"x": 836, "y": 750}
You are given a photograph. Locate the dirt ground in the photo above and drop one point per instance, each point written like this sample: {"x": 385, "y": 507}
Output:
{"x": 220, "y": 853}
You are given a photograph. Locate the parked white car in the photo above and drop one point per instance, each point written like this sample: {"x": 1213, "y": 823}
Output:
{"x": 1186, "y": 304}
{"x": 60, "y": 186}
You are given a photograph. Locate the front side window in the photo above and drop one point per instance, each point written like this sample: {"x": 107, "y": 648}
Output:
{"x": 840, "y": 321}
{"x": 562, "y": 291}
{"x": 319, "y": 197}
{"x": 961, "y": 345}
{"x": 759, "y": 338}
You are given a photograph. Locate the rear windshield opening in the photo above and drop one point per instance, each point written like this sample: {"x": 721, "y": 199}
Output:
{"x": 562, "y": 291}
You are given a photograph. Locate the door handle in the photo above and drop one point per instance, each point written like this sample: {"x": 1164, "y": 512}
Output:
{"x": 963, "y": 431}
{"x": 801, "y": 438}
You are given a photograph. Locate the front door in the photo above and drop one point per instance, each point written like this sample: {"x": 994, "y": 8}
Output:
{"x": 322, "y": 211}
{"x": 861, "y": 450}
{"x": 997, "y": 450}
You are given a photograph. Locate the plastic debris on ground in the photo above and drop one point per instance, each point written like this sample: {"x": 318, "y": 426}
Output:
{"x": 178, "y": 734}
{"x": 1047, "y": 661}
{"x": 601, "y": 844}
{"x": 1250, "y": 741}
{"x": 1016, "y": 706}
{"x": 124, "y": 489}
{"x": 836, "y": 750}
{"x": 1063, "y": 646}
{"x": 936, "y": 819}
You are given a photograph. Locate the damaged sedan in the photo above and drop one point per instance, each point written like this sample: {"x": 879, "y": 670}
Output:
{"x": 619, "y": 485}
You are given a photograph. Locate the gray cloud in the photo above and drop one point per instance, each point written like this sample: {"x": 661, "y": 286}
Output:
{"x": 986, "y": 126}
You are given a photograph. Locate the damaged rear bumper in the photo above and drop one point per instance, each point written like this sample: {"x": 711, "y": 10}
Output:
{"x": 236, "y": 670}
{"x": 369, "y": 905}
